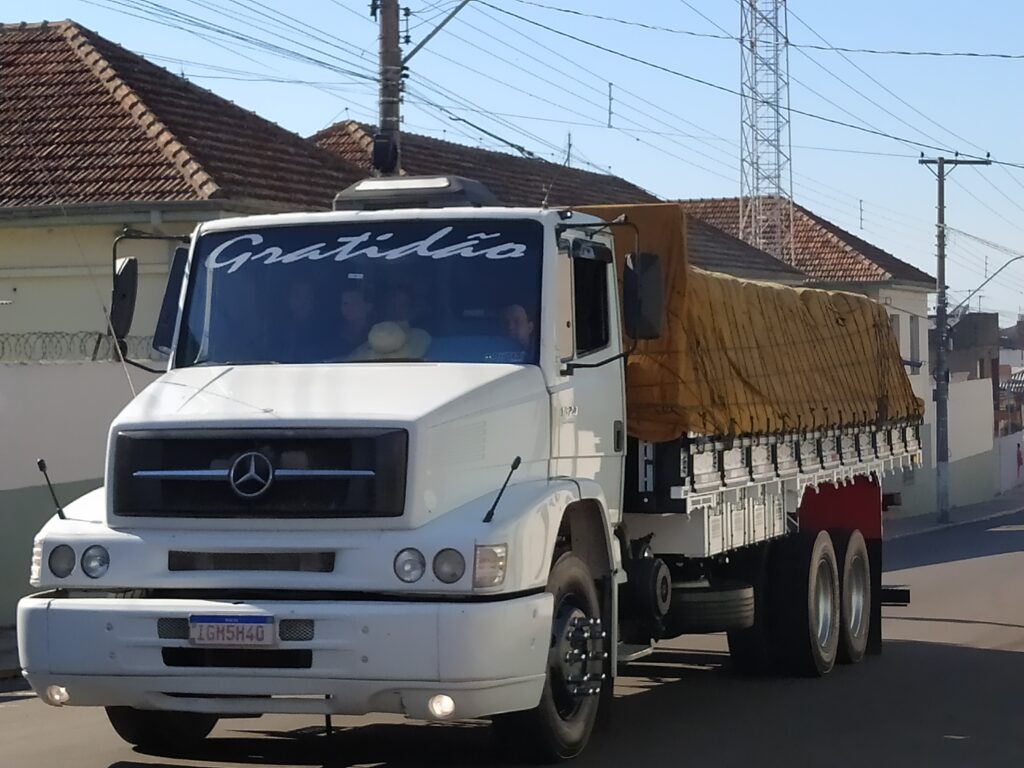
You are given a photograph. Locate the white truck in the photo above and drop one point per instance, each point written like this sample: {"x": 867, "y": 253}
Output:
{"x": 388, "y": 469}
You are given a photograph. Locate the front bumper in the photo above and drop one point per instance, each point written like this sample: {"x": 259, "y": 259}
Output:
{"x": 490, "y": 657}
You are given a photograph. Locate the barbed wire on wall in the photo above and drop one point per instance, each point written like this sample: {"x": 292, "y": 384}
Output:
{"x": 62, "y": 346}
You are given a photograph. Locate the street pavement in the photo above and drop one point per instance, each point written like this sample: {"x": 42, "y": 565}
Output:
{"x": 947, "y": 691}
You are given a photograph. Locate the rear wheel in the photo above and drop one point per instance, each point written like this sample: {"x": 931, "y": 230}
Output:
{"x": 560, "y": 726}
{"x": 717, "y": 607}
{"x": 160, "y": 730}
{"x": 855, "y": 585}
{"x": 751, "y": 649}
{"x": 806, "y": 604}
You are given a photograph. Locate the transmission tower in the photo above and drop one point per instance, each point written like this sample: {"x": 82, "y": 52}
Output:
{"x": 766, "y": 175}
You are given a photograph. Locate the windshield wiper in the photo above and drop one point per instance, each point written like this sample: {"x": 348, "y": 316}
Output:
{"x": 210, "y": 363}
{"x": 390, "y": 360}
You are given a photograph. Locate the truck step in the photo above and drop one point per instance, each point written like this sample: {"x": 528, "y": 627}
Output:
{"x": 896, "y": 595}
{"x": 633, "y": 652}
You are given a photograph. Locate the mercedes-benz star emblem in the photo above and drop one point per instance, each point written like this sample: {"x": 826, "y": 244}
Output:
{"x": 251, "y": 475}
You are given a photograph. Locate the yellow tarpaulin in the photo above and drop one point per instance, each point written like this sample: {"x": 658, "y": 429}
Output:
{"x": 743, "y": 358}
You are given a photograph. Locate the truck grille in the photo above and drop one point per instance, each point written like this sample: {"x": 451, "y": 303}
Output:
{"x": 260, "y": 473}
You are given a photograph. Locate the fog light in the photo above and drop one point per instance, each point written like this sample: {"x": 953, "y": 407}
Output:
{"x": 62, "y": 561}
{"x": 57, "y": 695}
{"x": 441, "y": 706}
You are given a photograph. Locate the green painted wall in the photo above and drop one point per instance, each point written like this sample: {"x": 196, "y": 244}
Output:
{"x": 22, "y": 513}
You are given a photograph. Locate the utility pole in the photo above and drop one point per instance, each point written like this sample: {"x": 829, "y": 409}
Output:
{"x": 386, "y": 144}
{"x": 941, "y": 394}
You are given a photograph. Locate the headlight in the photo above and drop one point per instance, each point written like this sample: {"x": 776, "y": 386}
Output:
{"x": 410, "y": 565}
{"x": 449, "y": 565}
{"x": 62, "y": 561}
{"x": 489, "y": 566}
{"x": 35, "y": 573}
{"x": 95, "y": 561}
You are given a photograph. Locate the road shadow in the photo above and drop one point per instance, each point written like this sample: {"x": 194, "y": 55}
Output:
{"x": 917, "y": 704}
{"x": 967, "y": 542}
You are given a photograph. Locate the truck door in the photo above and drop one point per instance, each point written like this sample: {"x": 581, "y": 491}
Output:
{"x": 589, "y": 398}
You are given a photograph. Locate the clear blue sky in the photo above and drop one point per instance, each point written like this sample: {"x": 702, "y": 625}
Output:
{"x": 677, "y": 138}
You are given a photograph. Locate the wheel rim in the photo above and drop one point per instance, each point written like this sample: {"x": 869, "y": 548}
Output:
{"x": 857, "y": 591}
{"x": 563, "y": 662}
{"x": 825, "y": 590}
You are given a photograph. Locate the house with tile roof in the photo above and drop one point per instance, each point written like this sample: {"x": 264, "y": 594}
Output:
{"x": 94, "y": 138}
{"x": 834, "y": 258}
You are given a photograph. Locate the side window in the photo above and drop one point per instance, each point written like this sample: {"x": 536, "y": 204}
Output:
{"x": 590, "y": 288}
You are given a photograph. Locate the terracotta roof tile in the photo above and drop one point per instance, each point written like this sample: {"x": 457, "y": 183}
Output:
{"x": 83, "y": 120}
{"x": 712, "y": 249}
{"x": 515, "y": 180}
{"x": 823, "y": 251}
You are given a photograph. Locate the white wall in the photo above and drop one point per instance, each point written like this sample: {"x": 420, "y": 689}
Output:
{"x": 972, "y": 454}
{"x": 60, "y": 412}
{"x": 58, "y": 278}
{"x": 1008, "y": 476}
{"x": 1012, "y": 357}
{"x": 907, "y": 304}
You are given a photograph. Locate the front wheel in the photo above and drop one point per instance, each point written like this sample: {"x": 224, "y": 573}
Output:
{"x": 560, "y": 726}
{"x": 159, "y": 730}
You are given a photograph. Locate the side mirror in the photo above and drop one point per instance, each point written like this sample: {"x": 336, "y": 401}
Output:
{"x": 163, "y": 337}
{"x": 122, "y": 300}
{"x": 643, "y": 296}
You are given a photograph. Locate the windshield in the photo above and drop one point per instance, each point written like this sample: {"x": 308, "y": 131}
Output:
{"x": 412, "y": 290}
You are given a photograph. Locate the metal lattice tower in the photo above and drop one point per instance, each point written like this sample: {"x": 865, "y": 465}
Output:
{"x": 766, "y": 175}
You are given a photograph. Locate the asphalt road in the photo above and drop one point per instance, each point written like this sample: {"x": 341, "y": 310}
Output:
{"x": 948, "y": 691}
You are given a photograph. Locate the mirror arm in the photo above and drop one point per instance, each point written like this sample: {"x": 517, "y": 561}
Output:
{"x": 140, "y": 366}
{"x": 133, "y": 234}
{"x": 624, "y": 355}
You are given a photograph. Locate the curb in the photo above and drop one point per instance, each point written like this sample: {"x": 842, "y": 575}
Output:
{"x": 954, "y": 524}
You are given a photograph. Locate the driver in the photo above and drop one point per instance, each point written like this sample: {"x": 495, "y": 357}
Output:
{"x": 519, "y": 327}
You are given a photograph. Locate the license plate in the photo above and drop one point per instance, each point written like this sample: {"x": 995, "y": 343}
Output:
{"x": 235, "y": 631}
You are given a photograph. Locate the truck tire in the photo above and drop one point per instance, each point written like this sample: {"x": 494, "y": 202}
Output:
{"x": 159, "y": 730}
{"x": 856, "y": 598}
{"x": 751, "y": 649}
{"x": 805, "y": 604}
{"x": 700, "y": 609}
{"x": 560, "y": 726}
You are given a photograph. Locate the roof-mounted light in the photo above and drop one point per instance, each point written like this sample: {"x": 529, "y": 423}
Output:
{"x": 401, "y": 183}
{"x": 414, "y": 192}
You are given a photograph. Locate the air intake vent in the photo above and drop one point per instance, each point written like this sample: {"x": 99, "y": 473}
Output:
{"x": 295, "y": 630}
{"x": 172, "y": 629}
{"x": 238, "y": 658}
{"x": 307, "y": 562}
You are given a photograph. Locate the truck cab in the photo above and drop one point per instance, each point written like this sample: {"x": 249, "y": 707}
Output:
{"x": 314, "y": 508}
